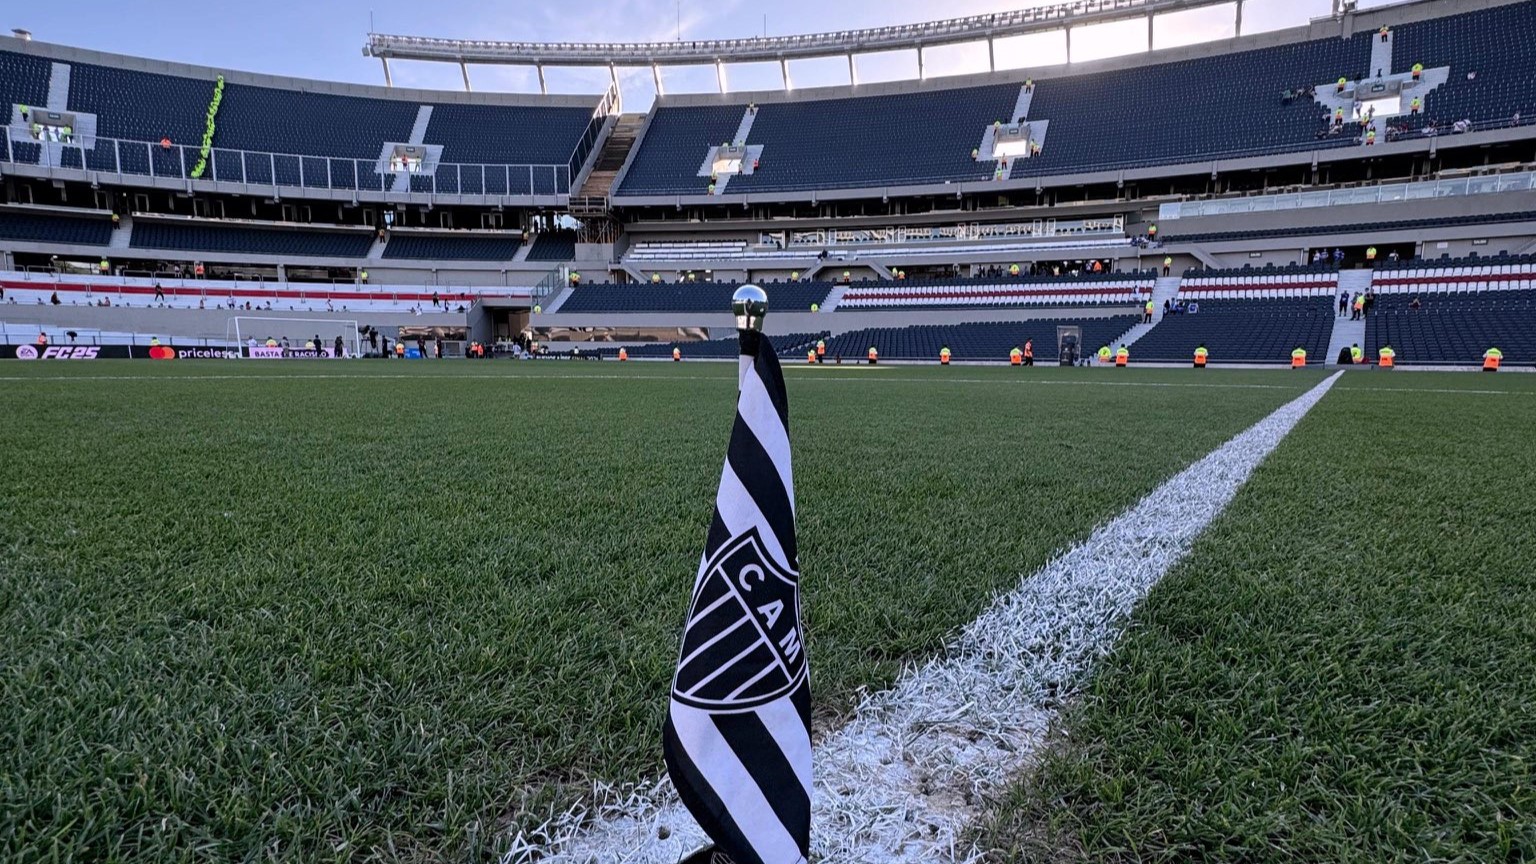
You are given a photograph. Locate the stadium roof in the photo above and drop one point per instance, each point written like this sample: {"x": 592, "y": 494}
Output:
{"x": 975, "y": 28}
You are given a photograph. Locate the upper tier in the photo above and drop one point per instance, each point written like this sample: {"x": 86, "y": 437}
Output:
{"x": 1481, "y": 66}
{"x": 326, "y": 137}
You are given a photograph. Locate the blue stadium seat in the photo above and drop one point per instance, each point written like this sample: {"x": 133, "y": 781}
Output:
{"x": 553, "y": 246}
{"x": 449, "y": 247}
{"x": 1242, "y": 331}
{"x": 50, "y": 228}
{"x": 212, "y": 237}
{"x": 1454, "y": 328}
{"x": 989, "y": 341}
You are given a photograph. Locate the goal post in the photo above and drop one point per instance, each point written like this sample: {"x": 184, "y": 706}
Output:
{"x": 262, "y": 327}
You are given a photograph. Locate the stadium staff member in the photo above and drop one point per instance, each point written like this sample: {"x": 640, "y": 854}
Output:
{"x": 1029, "y": 352}
{"x": 1298, "y": 357}
{"x": 1491, "y": 359}
{"x": 944, "y": 356}
{"x": 874, "y": 356}
{"x": 1123, "y": 356}
{"x": 399, "y": 350}
{"x": 1105, "y": 354}
{"x": 271, "y": 343}
{"x": 1356, "y": 354}
{"x": 677, "y": 353}
{"x": 154, "y": 341}
{"x": 1167, "y": 264}
{"x": 810, "y": 356}
{"x": 623, "y": 354}
{"x": 1146, "y": 313}
{"x": 1200, "y": 356}
{"x": 821, "y": 350}
{"x": 1016, "y": 357}
{"x": 1386, "y": 356}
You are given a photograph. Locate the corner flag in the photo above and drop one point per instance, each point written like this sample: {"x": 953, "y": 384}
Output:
{"x": 737, "y": 739}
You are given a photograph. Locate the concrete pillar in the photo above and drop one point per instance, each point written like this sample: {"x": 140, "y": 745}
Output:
{"x": 1238, "y": 31}
{"x": 656, "y": 76}
{"x": 387, "y": 81}
{"x": 464, "y": 70}
{"x": 784, "y": 71}
{"x": 1149, "y": 31}
{"x": 853, "y": 72}
{"x": 720, "y": 74}
{"x": 921, "y": 74}
{"x": 991, "y": 54}
{"x": 543, "y": 84}
{"x": 1068, "y": 31}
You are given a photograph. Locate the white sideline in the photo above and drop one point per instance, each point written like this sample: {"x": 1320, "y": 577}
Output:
{"x": 905, "y": 778}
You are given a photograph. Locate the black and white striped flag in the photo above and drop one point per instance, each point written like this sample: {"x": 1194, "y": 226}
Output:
{"x": 738, "y": 733}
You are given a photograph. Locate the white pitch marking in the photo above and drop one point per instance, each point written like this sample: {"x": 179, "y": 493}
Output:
{"x": 904, "y": 779}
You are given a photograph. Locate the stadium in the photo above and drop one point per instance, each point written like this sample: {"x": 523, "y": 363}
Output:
{"x": 1160, "y": 425}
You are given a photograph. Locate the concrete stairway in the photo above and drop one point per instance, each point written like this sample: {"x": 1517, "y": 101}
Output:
{"x": 834, "y": 298}
{"x": 610, "y": 160}
{"x": 1345, "y": 331}
{"x": 1165, "y": 288}
{"x": 122, "y": 238}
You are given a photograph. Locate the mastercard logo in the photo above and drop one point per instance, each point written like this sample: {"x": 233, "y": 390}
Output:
{"x": 162, "y": 352}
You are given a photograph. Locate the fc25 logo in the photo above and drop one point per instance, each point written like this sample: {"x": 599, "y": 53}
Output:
{"x": 57, "y": 352}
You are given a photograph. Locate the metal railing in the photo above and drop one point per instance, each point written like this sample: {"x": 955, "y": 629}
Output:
{"x": 119, "y": 159}
{"x": 1385, "y": 193}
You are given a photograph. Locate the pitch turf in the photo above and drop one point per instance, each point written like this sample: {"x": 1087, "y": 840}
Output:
{"x": 381, "y": 611}
{"x": 1343, "y": 670}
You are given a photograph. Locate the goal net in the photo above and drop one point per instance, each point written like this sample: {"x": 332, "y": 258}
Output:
{"x": 298, "y": 332}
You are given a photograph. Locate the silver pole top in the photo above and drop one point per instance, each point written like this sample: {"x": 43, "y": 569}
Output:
{"x": 750, "y": 306}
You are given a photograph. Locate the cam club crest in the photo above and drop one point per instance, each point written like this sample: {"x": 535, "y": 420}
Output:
{"x": 741, "y": 647}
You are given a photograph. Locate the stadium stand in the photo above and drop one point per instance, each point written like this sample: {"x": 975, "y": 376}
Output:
{"x": 1454, "y": 327}
{"x": 1456, "y": 275}
{"x": 27, "y": 289}
{"x": 213, "y": 237}
{"x": 1293, "y": 280}
{"x": 452, "y": 247}
{"x": 691, "y": 297}
{"x": 791, "y": 345}
{"x": 1242, "y": 331}
{"x": 553, "y": 246}
{"x": 41, "y": 227}
{"x": 1085, "y": 290}
{"x": 984, "y": 342}
{"x": 1490, "y": 53}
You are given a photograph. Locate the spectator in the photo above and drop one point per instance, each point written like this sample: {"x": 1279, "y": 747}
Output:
{"x": 159, "y": 292}
{"x": 435, "y": 299}
{"x": 1343, "y": 303}
{"x": 54, "y": 299}
{"x": 340, "y": 347}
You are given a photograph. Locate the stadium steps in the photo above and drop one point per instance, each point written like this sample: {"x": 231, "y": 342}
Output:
{"x": 376, "y": 251}
{"x": 122, "y": 237}
{"x": 1345, "y": 331}
{"x": 1165, "y": 289}
{"x": 557, "y": 300}
{"x": 833, "y": 298}
{"x": 611, "y": 159}
{"x": 58, "y": 87}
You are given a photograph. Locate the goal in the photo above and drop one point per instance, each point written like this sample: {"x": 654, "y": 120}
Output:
{"x": 263, "y": 327}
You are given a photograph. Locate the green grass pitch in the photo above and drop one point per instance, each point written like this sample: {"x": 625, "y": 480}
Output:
{"x": 379, "y": 611}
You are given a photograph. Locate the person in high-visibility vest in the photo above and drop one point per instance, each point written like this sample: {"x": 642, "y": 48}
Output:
{"x": 1146, "y": 316}
{"x": 1152, "y": 231}
{"x": 1167, "y": 264}
{"x": 1415, "y": 105}
{"x": 815, "y": 307}
{"x": 105, "y": 266}
{"x": 1200, "y": 356}
{"x": 1418, "y": 71}
{"x": 537, "y": 309}
{"x": 271, "y": 343}
{"x": 1013, "y": 269}
{"x": 874, "y": 356}
{"x": 944, "y": 355}
{"x": 1105, "y": 355}
{"x": 1029, "y": 352}
{"x": 1122, "y": 356}
{"x": 623, "y": 354}
{"x": 400, "y": 350}
{"x": 821, "y": 350}
{"x": 1491, "y": 359}
{"x": 154, "y": 341}
{"x": 794, "y": 276}
{"x": 1343, "y": 82}
{"x": 1016, "y": 357}
{"x": 847, "y": 277}
{"x": 677, "y": 354}
{"x": 1386, "y": 357}
{"x": 1358, "y": 307}
{"x": 1370, "y": 253}
{"x": 655, "y": 278}
{"x": 810, "y": 356}
{"x": 1298, "y": 358}
{"x": 1356, "y": 354}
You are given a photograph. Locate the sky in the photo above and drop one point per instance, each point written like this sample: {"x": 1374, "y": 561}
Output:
{"x": 323, "y": 39}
